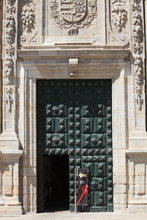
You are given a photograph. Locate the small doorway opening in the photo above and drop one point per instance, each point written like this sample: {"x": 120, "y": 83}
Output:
{"x": 56, "y": 183}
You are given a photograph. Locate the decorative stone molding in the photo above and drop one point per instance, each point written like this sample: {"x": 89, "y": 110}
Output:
{"x": 73, "y": 15}
{"x": 9, "y": 67}
{"x": 10, "y": 42}
{"x": 119, "y": 18}
{"x": 138, "y": 49}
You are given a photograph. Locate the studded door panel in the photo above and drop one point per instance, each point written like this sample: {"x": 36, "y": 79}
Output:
{"x": 75, "y": 119}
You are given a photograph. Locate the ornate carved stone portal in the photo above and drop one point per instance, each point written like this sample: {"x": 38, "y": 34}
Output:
{"x": 74, "y": 40}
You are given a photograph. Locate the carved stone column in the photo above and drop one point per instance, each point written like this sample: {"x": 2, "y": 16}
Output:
{"x": 9, "y": 143}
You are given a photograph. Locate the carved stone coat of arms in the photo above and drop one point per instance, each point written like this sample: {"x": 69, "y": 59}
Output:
{"x": 73, "y": 14}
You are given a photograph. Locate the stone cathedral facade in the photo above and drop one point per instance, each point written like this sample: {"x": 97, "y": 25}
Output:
{"x": 73, "y": 97}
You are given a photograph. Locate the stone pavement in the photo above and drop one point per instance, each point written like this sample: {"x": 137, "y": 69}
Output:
{"x": 78, "y": 216}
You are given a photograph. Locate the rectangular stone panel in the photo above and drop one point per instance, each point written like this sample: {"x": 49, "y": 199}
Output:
{"x": 74, "y": 21}
{"x": 137, "y": 173}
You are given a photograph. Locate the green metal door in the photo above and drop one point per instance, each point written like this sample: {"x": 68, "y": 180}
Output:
{"x": 74, "y": 117}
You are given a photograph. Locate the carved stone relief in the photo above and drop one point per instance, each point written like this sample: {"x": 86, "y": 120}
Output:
{"x": 10, "y": 41}
{"x": 73, "y": 22}
{"x": 9, "y": 60}
{"x": 28, "y": 17}
{"x": 72, "y": 15}
{"x": 138, "y": 49}
{"x": 9, "y": 97}
{"x": 27, "y": 24}
{"x": 119, "y": 18}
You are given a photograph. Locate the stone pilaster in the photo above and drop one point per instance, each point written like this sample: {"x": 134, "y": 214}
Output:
{"x": 136, "y": 154}
{"x": 138, "y": 52}
{"x": 9, "y": 143}
{"x": 1, "y": 20}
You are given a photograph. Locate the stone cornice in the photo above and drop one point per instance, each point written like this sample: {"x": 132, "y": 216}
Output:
{"x": 137, "y": 153}
{"x": 97, "y": 53}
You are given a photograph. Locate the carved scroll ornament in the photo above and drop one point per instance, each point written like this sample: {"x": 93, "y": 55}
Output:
{"x": 72, "y": 15}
